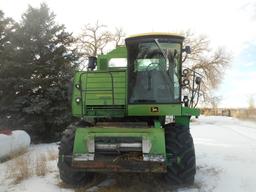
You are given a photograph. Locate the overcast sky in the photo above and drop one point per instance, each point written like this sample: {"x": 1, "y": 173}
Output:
{"x": 228, "y": 23}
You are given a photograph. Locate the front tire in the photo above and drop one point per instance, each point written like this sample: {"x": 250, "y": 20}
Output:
{"x": 68, "y": 174}
{"x": 179, "y": 144}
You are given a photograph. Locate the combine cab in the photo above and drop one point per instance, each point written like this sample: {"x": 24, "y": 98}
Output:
{"x": 123, "y": 101}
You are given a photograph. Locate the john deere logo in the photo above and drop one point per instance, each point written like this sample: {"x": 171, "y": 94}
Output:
{"x": 154, "y": 109}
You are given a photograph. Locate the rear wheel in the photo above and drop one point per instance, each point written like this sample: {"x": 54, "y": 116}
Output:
{"x": 179, "y": 144}
{"x": 68, "y": 174}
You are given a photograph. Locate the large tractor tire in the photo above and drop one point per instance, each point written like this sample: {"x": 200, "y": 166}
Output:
{"x": 68, "y": 174}
{"x": 179, "y": 144}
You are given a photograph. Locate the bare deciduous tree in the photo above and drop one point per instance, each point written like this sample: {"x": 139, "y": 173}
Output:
{"x": 251, "y": 103}
{"x": 118, "y": 37}
{"x": 94, "y": 39}
{"x": 210, "y": 63}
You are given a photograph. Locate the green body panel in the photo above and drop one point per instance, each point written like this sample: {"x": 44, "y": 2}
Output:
{"x": 161, "y": 109}
{"x": 186, "y": 111}
{"x": 104, "y": 112}
{"x": 154, "y": 109}
{"x": 182, "y": 120}
{"x": 184, "y": 117}
{"x": 104, "y": 88}
{"x": 155, "y": 135}
{"x": 101, "y": 93}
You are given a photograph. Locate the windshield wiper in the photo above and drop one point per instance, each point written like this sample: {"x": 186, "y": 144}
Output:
{"x": 162, "y": 51}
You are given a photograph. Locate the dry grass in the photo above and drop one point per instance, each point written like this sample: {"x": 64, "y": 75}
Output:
{"x": 52, "y": 155}
{"x": 63, "y": 185}
{"x": 240, "y": 113}
{"x": 209, "y": 112}
{"x": 19, "y": 169}
{"x": 14, "y": 154}
{"x": 247, "y": 114}
{"x": 41, "y": 165}
{"x": 24, "y": 166}
{"x": 18, "y": 153}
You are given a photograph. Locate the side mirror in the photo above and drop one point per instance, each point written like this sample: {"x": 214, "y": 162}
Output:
{"x": 187, "y": 49}
{"x": 198, "y": 80}
{"x": 92, "y": 62}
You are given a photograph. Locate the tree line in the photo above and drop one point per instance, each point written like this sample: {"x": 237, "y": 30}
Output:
{"x": 38, "y": 58}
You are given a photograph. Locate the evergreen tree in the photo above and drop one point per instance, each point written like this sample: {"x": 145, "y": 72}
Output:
{"x": 7, "y": 67}
{"x": 45, "y": 62}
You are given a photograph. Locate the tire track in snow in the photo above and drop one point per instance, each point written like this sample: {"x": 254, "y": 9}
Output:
{"x": 241, "y": 133}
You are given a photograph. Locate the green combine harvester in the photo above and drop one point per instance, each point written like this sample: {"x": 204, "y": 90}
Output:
{"x": 133, "y": 113}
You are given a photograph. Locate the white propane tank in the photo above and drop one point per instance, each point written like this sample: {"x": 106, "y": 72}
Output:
{"x": 13, "y": 142}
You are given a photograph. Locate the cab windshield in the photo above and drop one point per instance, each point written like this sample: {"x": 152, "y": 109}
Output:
{"x": 154, "y": 72}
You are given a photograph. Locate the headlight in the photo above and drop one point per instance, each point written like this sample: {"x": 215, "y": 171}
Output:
{"x": 78, "y": 100}
{"x": 77, "y": 86}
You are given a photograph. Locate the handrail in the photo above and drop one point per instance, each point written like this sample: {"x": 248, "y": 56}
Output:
{"x": 87, "y": 90}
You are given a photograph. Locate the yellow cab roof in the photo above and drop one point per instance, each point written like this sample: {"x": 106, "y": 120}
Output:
{"x": 155, "y": 34}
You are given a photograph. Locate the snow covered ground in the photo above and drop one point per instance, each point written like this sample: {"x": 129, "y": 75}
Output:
{"x": 226, "y": 156}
